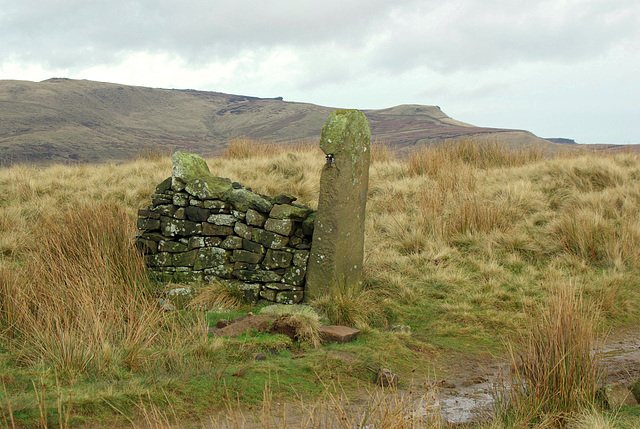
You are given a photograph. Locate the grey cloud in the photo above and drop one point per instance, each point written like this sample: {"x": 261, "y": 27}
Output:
{"x": 94, "y": 31}
{"x": 467, "y": 34}
{"x": 443, "y": 36}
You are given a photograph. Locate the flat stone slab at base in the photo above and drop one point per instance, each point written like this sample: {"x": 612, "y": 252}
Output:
{"x": 338, "y": 334}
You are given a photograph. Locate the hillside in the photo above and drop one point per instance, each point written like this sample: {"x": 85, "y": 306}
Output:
{"x": 63, "y": 120}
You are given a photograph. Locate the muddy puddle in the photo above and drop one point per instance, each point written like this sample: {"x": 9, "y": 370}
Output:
{"x": 470, "y": 398}
{"x": 464, "y": 395}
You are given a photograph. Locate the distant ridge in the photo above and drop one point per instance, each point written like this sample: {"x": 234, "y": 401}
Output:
{"x": 561, "y": 140}
{"x": 73, "y": 121}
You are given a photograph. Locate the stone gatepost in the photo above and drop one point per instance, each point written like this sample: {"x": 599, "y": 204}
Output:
{"x": 337, "y": 249}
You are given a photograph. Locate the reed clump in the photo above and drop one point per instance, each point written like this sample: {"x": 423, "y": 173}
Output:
{"x": 81, "y": 301}
{"x": 475, "y": 152}
{"x": 556, "y": 374}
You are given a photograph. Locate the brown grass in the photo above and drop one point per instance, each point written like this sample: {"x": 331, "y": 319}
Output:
{"x": 245, "y": 148}
{"x": 555, "y": 374}
{"x": 432, "y": 160}
{"x": 216, "y": 296}
{"x": 80, "y": 301}
{"x": 383, "y": 409}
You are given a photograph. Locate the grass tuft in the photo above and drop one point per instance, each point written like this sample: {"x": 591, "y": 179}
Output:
{"x": 350, "y": 305}
{"x": 80, "y": 301}
{"x": 217, "y": 296}
{"x": 483, "y": 154}
{"x": 555, "y": 374}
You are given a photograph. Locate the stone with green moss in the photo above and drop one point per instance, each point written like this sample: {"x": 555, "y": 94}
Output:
{"x": 308, "y": 224}
{"x": 191, "y": 173}
{"x": 278, "y": 286}
{"x": 164, "y": 186}
{"x": 263, "y": 276}
{"x": 269, "y": 239}
{"x": 246, "y": 256}
{"x": 209, "y": 257}
{"x": 255, "y": 218}
{"x": 243, "y": 200}
{"x": 280, "y": 226}
{"x": 181, "y": 199}
{"x": 289, "y": 297}
{"x": 182, "y": 277}
{"x": 197, "y": 214}
{"x": 161, "y": 199}
{"x": 162, "y": 259}
{"x": 172, "y": 246}
{"x": 219, "y": 272}
{"x": 290, "y": 211}
{"x": 179, "y": 228}
{"x": 300, "y": 258}
{"x": 147, "y": 247}
{"x": 185, "y": 259}
{"x": 252, "y": 246}
{"x": 242, "y": 230}
{"x": 277, "y": 259}
{"x": 268, "y": 294}
{"x": 148, "y": 224}
{"x": 337, "y": 251}
{"x": 219, "y": 230}
{"x": 294, "y": 275}
{"x": 284, "y": 198}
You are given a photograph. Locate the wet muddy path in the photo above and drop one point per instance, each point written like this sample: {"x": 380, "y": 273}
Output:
{"x": 462, "y": 394}
{"x": 466, "y": 394}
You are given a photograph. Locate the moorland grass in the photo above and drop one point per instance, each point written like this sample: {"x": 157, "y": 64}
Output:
{"x": 556, "y": 373}
{"x": 463, "y": 243}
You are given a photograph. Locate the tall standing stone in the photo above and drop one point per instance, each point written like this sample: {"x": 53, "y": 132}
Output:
{"x": 337, "y": 250}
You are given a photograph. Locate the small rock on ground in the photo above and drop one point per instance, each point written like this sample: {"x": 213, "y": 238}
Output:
{"x": 386, "y": 378}
{"x": 222, "y": 323}
{"x": 618, "y": 395}
{"x": 338, "y": 334}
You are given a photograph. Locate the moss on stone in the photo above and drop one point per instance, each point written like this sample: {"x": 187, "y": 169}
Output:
{"x": 289, "y": 211}
{"x": 342, "y": 129}
{"x": 243, "y": 200}
{"x": 190, "y": 173}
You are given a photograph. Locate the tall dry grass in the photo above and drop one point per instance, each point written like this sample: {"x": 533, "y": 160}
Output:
{"x": 476, "y": 152}
{"x": 350, "y": 305}
{"x": 556, "y": 373}
{"x": 81, "y": 300}
{"x": 452, "y": 203}
{"x": 473, "y": 240}
{"x": 577, "y": 205}
{"x": 383, "y": 409}
{"x": 245, "y": 148}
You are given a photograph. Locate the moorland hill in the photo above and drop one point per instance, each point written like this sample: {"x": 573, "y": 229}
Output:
{"x": 74, "y": 121}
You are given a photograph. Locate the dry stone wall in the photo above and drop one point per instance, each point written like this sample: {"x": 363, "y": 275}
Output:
{"x": 201, "y": 228}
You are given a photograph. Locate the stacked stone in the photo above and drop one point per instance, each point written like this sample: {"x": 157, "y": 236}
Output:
{"x": 206, "y": 229}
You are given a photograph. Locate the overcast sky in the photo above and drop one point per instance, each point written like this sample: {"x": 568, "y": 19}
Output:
{"x": 558, "y": 68}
